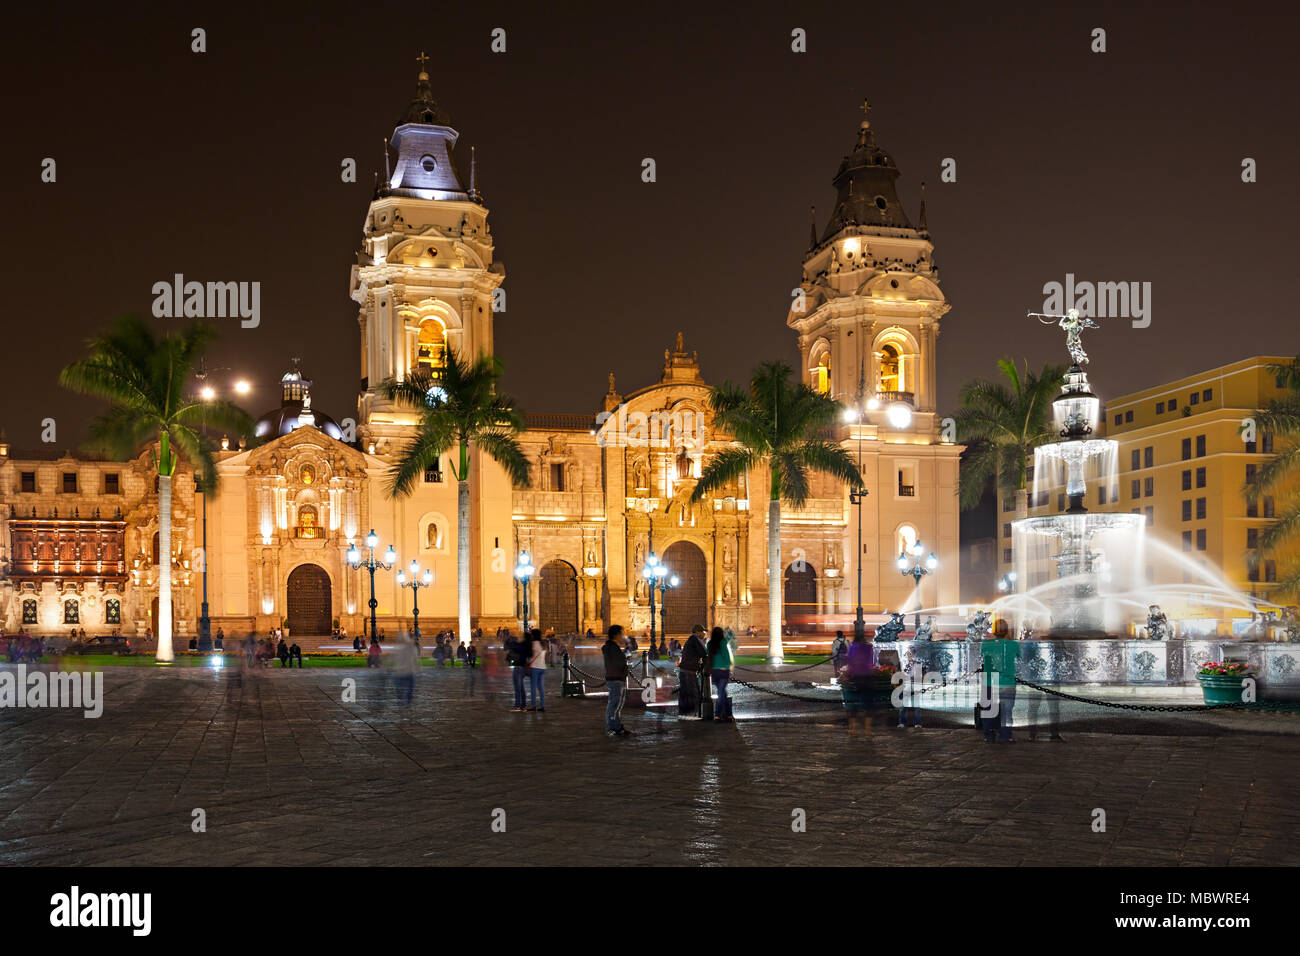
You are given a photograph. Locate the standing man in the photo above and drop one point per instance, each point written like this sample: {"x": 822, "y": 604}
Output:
{"x": 518, "y": 661}
{"x": 999, "y": 654}
{"x": 688, "y": 675}
{"x": 616, "y": 681}
{"x": 839, "y": 650}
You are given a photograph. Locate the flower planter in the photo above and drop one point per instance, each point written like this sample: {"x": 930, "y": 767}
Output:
{"x": 1221, "y": 690}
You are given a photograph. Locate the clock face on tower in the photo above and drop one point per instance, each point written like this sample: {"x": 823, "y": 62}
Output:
{"x": 429, "y": 163}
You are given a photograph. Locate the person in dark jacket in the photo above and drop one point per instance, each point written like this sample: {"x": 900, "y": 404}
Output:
{"x": 616, "y": 681}
{"x": 689, "y": 669}
{"x": 855, "y": 683}
{"x": 295, "y": 654}
{"x": 517, "y": 658}
{"x": 282, "y": 652}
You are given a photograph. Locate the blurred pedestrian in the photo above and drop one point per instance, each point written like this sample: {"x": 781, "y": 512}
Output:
{"x": 689, "y": 669}
{"x": 855, "y": 683}
{"x": 839, "y": 650}
{"x": 282, "y": 652}
{"x": 404, "y": 663}
{"x": 372, "y": 655}
{"x": 537, "y": 671}
{"x": 721, "y": 652}
{"x": 518, "y": 661}
{"x": 616, "y": 680}
{"x": 295, "y": 654}
{"x": 999, "y": 655}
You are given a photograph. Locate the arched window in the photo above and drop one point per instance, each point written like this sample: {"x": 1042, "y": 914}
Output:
{"x": 904, "y": 539}
{"x": 112, "y": 611}
{"x": 71, "y": 612}
{"x": 822, "y": 374}
{"x": 29, "y": 610}
{"x": 431, "y": 347}
{"x": 891, "y": 369}
{"x": 308, "y": 526}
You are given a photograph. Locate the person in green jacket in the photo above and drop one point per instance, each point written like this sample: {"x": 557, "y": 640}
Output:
{"x": 999, "y": 654}
{"x": 721, "y": 651}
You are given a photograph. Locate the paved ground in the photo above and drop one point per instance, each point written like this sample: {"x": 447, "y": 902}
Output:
{"x": 289, "y": 774}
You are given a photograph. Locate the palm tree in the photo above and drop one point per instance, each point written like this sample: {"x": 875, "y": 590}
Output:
{"x": 148, "y": 382}
{"x": 459, "y": 407}
{"x": 1280, "y": 417}
{"x": 1003, "y": 425}
{"x": 777, "y": 423}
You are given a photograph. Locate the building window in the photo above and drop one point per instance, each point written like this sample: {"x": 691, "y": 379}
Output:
{"x": 1128, "y": 417}
{"x": 1270, "y": 571}
{"x": 113, "y": 611}
{"x": 1207, "y": 395}
{"x": 1252, "y": 569}
{"x": 1006, "y": 555}
{"x": 1041, "y": 501}
{"x": 28, "y": 484}
{"x": 112, "y": 485}
{"x": 1114, "y": 493}
{"x": 1187, "y": 509}
{"x": 1060, "y": 502}
{"x": 1173, "y": 403}
{"x": 1101, "y": 494}
{"x": 1187, "y": 541}
{"x": 1187, "y": 481}
{"x": 1193, "y": 399}
{"x": 69, "y": 482}
{"x": 891, "y": 369}
{"x": 433, "y": 474}
{"x": 822, "y": 374}
{"x": 1250, "y": 473}
{"x": 1252, "y": 538}
{"x": 1268, "y": 506}
{"x": 1150, "y": 514}
{"x": 1008, "y": 504}
{"x": 1136, "y": 489}
{"x": 557, "y": 477}
{"x": 1119, "y": 419}
{"x": 71, "y": 612}
{"x": 431, "y": 347}
{"x": 1006, "y": 529}
{"x": 1200, "y": 539}
{"x": 1200, "y": 477}
{"x": 1200, "y": 509}
{"x": 1148, "y": 487}
{"x": 1187, "y": 449}
{"x": 1252, "y": 508}
{"x": 1200, "y": 446}
{"x": 1160, "y": 408}
{"x": 1148, "y": 456}
{"x": 1268, "y": 444}
{"x": 308, "y": 525}
{"x": 1137, "y": 460}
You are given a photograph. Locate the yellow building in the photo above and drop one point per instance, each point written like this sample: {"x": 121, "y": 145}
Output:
{"x": 1182, "y": 462}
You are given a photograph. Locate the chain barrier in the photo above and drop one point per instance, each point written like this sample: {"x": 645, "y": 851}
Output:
{"x": 784, "y": 669}
{"x": 1267, "y": 706}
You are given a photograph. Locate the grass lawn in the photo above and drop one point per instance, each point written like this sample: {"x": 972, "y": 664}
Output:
{"x": 791, "y": 660}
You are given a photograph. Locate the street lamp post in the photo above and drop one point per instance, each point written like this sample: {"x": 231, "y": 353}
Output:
{"x": 524, "y": 572}
{"x": 914, "y": 568}
{"x": 855, "y": 416}
{"x": 372, "y": 564}
{"x": 661, "y": 579}
{"x": 207, "y": 393}
{"x": 417, "y": 581}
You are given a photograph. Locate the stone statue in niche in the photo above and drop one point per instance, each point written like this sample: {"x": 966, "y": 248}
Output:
{"x": 728, "y": 592}
{"x": 641, "y": 474}
{"x": 727, "y": 557}
{"x": 640, "y": 554}
{"x": 683, "y": 463}
{"x": 591, "y": 557}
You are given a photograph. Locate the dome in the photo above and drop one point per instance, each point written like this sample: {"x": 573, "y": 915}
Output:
{"x": 295, "y": 410}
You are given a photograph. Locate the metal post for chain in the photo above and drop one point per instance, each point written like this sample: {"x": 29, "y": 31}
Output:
{"x": 571, "y": 687}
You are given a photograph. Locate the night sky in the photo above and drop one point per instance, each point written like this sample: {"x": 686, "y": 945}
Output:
{"x": 225, "y": 166}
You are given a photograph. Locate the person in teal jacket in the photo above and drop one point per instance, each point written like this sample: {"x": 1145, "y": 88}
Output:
{"x": 722, "y": 655}
{"x": 999, "y": 654}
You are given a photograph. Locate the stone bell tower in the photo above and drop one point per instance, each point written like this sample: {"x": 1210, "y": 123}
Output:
{"x": 425, "y": 279}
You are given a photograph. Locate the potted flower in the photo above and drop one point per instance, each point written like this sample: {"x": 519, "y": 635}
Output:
{"x": 1221, "y": 681}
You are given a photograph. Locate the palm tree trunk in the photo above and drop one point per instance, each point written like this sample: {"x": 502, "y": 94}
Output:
{"x": 775, "y": 653}
{"x": 462, "y": 555}
{"x": 163, "y": 626}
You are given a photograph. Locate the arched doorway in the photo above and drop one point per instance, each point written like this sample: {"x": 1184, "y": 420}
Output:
{"x": 308, "y": 601}
{"x": 687, "y": 604}
{"x": 557, "y": 597}
{"x": 800, "y": 593}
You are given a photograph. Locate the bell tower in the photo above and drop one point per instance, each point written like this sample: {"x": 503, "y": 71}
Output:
{"x": 425, "y": 279}
{"x": 869, "y": 302}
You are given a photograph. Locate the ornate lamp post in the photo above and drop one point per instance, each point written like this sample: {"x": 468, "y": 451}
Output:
{"x": 371, "y": 564}
{"x": 417, "y": 581}
{"x": 524, "y": 571}
{"x": 207, "y": 394}
{"x": 912, "y": 567}
{"x": 661, "y": 579}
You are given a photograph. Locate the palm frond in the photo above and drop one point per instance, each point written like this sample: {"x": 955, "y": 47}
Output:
{"x": 725, "y": 467}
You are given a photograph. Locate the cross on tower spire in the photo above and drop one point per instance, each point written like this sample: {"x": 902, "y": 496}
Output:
{"x": 422, "y": 59}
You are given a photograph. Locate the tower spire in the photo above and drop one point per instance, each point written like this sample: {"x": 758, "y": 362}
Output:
{"x": 473, "y": 174}
{"x": 812, "y": 227}
{"x": 920, "y": 225}
{"x": 388, "y": 168}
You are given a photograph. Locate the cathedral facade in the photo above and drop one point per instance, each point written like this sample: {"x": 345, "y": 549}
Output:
{"x": 610, "y": 489}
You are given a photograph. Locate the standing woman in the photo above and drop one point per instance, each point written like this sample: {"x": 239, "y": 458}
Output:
{"x": 722, "y": 655}
{"x": 537, "y": 670}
